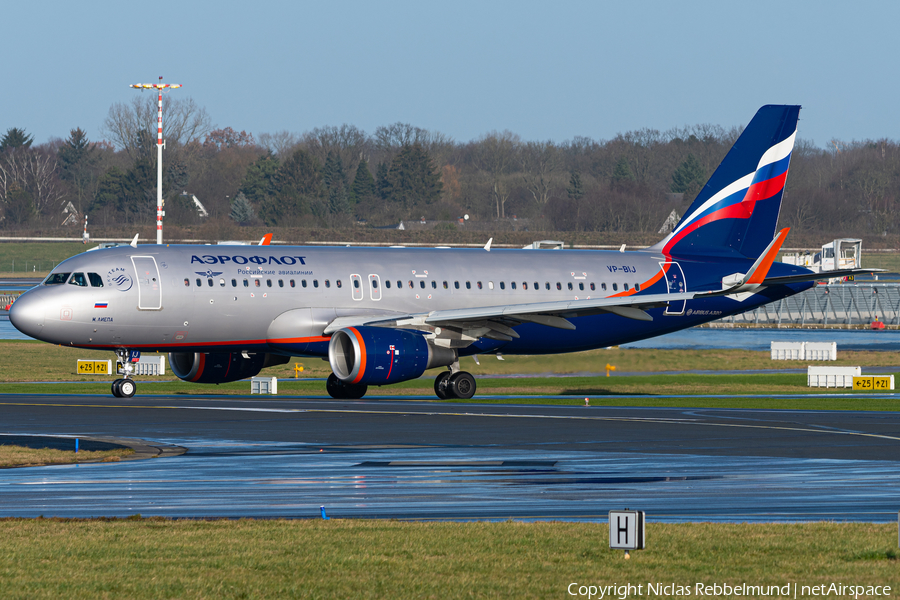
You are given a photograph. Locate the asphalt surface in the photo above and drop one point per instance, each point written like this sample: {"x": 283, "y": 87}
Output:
{"x": 412, "y": 459}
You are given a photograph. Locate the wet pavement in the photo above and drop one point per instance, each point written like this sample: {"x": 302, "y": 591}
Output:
{"x": 386, "y": 458}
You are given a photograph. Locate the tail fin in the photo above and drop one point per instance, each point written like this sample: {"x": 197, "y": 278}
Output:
{"x": 737, "y": 210}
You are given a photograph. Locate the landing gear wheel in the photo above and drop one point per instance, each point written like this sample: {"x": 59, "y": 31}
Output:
{"x": 339, "y": 390}
{"x": 442, "y": 385}
{"x": 127, "y": 388}
{"x": 462, "y": 385}
{"x": 115, "y": 388}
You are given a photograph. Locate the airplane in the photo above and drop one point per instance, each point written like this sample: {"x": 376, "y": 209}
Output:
{"x": 385, "y": 315}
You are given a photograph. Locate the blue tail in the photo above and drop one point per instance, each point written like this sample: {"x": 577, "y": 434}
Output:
{"x": 737, "y": 210}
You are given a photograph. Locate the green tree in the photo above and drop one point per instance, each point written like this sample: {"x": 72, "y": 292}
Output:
{"x": 19, "y": 209}
{"x": 241, "y": 210}
{"x": 688, "y": 177}
{"x": 78, "y": 160}
{"x": 259, "y": 180}
{"x": 297, "y": 187}
{"x": 413, "y": 178}
{"x": 15, "y": 138}
{"x": 575, "y": 189}
{"x": 363, "y": 184}
{"x": 382, "y": 187}
{"x": 622, "y": 172}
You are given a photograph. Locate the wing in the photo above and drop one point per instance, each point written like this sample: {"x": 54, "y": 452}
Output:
{"x": 460, "y": 327}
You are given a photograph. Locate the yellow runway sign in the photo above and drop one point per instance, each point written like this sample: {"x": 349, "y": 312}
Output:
{"x": 95, "y": 367}
{"x": 873, "y": 383}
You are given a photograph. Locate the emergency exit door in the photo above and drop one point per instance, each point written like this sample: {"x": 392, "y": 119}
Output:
{"x": 149, "y": 286}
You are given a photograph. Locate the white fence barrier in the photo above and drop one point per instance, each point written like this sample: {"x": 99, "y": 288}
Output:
{"x": 804, "y": 350}
{"x": 263, "y": 385}
{"x": 831, "y": 377}
{"x": 150, "y": 365}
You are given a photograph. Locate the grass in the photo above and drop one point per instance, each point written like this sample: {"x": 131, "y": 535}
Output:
{"x": 20, "y": 456}
{"x": 155, "y": 558}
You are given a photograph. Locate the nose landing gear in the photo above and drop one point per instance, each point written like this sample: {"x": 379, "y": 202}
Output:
{"x": 124, "y": 388}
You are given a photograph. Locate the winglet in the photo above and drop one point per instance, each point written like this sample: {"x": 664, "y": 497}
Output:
{"x": 134, "y": 241}
{"x": 265, "y": 240}
{"x": 759, "y": 270}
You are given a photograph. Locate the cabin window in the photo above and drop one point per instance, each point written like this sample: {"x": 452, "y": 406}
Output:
{"x": 592, "y": 286}
{"x": 570, "y": 286}
{"x": 257, "y": 283}
{"x": 221, "y": 282}
{"x": 281, "y": 283}
{"x": 637, "y": 287}
{"x": 524, "y": 285}
{"x": 199, "y": 283}
{"x": 234, "y": 283}
{"x": 512, "y": 285}
{"x": 502, "y": 286}
{"x": 581, "y": 286}
{"x": 96, "y": 280}
{"x": 292, "y": 283}
{"x": 315, "y": 283}
{"x": 446, "y": 286}
{"x": 468, "y": 285}
{"x": 625, "y": 287}
{"x": 187, "y": 283}
{"x": 246, "y": 283}
{"x": 479, "y": 285}
{"x": 374, "y": 284}
{"x": 78, "y": 279}
{"x": 56, "y": 278}
{"x": 422, "y": 284}
{"x": 433, "y": 284}
{"x": 603, "y": 286}
{"x": 558, "y": 286}
{"x": 456, "y": 284}
{"x": 615, "y": 286}
{"x": 410, "y": 284}
{"x": 399, "y": 285}
{"x": 547, "y": 285}
{"x": 338, "y": 283}
{"x": 328, "y": 283}
{"x": 490, "y": 285}
{"x": 303, "y": 283}
{"x": 387, "y": 283}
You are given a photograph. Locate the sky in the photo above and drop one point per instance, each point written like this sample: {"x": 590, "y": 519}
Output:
{"x": 543, "y": 70}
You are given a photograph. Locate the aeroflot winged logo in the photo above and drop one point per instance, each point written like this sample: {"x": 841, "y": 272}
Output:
{"x": 209, "y": 259}
{"x": 119, "y": 279}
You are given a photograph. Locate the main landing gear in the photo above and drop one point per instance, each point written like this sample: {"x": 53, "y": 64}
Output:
{"x": 449, "y": 385}
{"x": 124, "y": 388}
{"x": 339, "y": 390}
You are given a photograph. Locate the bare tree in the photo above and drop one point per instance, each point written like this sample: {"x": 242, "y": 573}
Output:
{"x": 495, "y": 154}
{"x": 183, "y": 122}
{"x": 540, "y": 162}
{"x": 281, "y": 143}
{"x": 33, "y": 170}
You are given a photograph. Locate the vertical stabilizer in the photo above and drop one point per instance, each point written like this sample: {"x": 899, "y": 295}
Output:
{"x": 737, "y": 210}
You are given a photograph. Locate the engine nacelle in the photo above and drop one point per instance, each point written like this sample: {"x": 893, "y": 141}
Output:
{"x": 378, "y": 356}
{"x": 220, "y": 367}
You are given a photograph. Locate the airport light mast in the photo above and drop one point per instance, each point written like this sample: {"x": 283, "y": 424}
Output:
{"x": 159, "y": 148}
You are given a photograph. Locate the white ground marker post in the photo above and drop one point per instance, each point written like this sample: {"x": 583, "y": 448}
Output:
{"x": 626, "y": 530}
{"x": 159, "y": 148}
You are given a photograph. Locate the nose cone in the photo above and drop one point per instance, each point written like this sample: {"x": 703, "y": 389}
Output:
{"x": 27, "y": 315}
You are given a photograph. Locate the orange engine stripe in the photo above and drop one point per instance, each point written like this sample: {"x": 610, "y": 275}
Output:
{"x": 200, "y": 367}
{"x": 362, "y": 355}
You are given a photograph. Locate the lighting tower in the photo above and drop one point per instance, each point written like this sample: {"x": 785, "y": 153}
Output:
{"x": 159, "y": 148}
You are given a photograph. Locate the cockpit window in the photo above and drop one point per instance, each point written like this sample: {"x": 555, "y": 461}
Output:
{"x": 78, "y": 279}
{"x": 56, "y": 278}
{"x": 96, "y": 280}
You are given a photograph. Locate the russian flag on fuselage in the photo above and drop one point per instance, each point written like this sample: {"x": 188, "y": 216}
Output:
{"x": 737, "y": 210}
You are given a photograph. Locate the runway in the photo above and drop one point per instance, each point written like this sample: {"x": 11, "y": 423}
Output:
{"x": 393, "y": 458}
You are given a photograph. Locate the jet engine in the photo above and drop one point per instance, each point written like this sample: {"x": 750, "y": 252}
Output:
{"x": 220, "y": 367}
{"x": 379, "y": 356}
